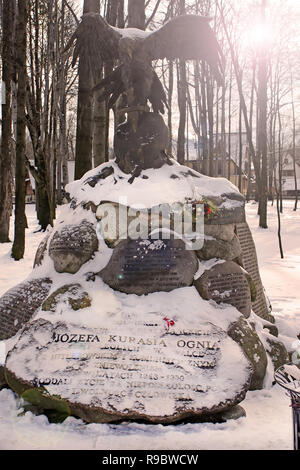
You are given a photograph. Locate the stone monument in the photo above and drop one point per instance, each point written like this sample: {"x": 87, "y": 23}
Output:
{"x": 145, "y": 301}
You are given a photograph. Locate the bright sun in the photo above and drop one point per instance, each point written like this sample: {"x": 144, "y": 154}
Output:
{"x": 258, "y": 35}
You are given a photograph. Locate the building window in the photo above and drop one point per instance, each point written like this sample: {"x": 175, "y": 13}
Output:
{"x": 287, "y": 172}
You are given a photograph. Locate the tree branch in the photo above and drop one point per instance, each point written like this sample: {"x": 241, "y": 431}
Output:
{"x": 32, "y": 170}
{"x": 72, "y": 12}
{"x": 153, "y": 14}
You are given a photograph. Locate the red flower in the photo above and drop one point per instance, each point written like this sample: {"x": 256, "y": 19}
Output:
{"x": 169, "y": 322}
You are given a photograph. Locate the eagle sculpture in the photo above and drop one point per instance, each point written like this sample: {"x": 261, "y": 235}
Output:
{"x": 133, "y": 50}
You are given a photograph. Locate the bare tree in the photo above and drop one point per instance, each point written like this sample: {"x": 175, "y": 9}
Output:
{"x": 84, "y": 134}
{"x": 262, "y": 124}
{"x": 20, "y": 217}
{"x": 182, "y": 98}
{"x": 136, "y": 14}
{"x": 6, "y": 155}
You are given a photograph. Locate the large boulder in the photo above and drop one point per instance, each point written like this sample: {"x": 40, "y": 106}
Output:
{"x": 249, "y": 259}
{"x": 223, "y": 232}
{"x": 71, "y": 296}
{"x": 135, "y": 371}
{"x": 2, "y": 378}
{"x": 41, "y": 251}
{"x": 19, "y": 304}
{"x": 72, "y": 246}
{"x": 144, "y": 266}
{"x": 277, "y": 352}
{"x": 246, "y": 336}
{"x": 226, "y": 283}
{"x": 152, "y": 349}
{"x": 217, "y": 248}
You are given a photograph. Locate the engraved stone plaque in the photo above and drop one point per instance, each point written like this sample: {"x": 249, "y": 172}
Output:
{"x": 42, "y": 248}
{"x": 72, "y": 246}
{"x": 141, "y": 368}
{"x": 19, "y": 304}
{"x": 144, "y": 266}
{"x": 226, "y": 283}
{"x": 250, "y": 263}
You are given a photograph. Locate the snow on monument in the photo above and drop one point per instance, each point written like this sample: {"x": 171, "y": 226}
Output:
{"x": 145, "y": 301}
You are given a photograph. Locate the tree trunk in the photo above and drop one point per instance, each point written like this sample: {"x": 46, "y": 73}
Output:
{"x": 100, "y": 130}
{"x": 136, "y": 14}
{"x": 223, "y": 130}
{"x": 84, "y": 133}
{"x": 6, "y": 155}
{"x": 229, "y": 123}
{"x": 170, "y": 97}
{"x": 210, "y": 115}
{"x": 20, "y": 217}
{"x": 262, "y": 129}
{"x": 294, "y": 141}
{"x": 278, "y": 217}
{"x": 181, "y": 90}
{"x": 238, "y": 76}
{"x": 280, "y": 163}
{"x": 240, "y": 149}
{"x": 181, "y": 84}
{"x": 101, "y": 111}
{"x": 38, "y": 122}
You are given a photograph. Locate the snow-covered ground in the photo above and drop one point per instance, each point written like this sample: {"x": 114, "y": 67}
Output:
{"x": 268, "y": 424}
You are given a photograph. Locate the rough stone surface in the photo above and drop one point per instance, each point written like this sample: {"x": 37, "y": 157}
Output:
{"x": 252, "y": 286}
{"x": 101, "y": 175}
{"x": 124, "y": 375}
{"x": 120, "y": 214}
{"x": 232, "y": 213}
{"x": 2, "y": 378}
{"x": 122, "y": 218}
{"x": 250, "y": 263}
{"x": 39, "y": 256}
{"x": 226, "y": 283}
{"x": 278, "y": 352}
{"x": 155, "y": 367}
{"x": 236, "y": 412}
{"x": 221, "y": 232}
{"x": 73, "y": 296}
{"x": 72, "y": 246}
{"x": 19, "y": 304}
{"x": 214, "y": 248}
{"x": 273, "y": 330}
{"x": 143, "y": 266}
{"x": 247, "y": 338}
{"x": 144, "y": 148}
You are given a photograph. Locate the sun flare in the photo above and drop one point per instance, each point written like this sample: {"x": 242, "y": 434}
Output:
{"x": 258, "y": 35}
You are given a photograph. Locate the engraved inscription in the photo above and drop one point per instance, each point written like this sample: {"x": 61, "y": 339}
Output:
{"x": 160, "y": 267}
{"x": 226, "y": 283}
{"x": 141, "y": 372}
{"x": 231, "y": 288}
{"x": 143, "y": 266}
{"x": 250, "y": 263}
{"x": 134, "y": 369}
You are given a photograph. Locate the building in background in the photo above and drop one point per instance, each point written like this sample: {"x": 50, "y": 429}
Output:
{"x": 227, "y": 168}
{"x": 288, "y": 173}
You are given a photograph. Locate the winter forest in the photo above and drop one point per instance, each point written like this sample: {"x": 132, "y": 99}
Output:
{"x": 244, "y": 129}
{"x": 232, "y": 126}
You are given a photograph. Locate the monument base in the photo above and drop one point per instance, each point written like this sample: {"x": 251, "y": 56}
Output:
{"x": 139, "y": 369}
{"x": 141, "y": 328}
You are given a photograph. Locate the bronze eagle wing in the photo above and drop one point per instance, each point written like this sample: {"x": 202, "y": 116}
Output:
{"x": 184, "y": 37}
{"x": 187, "y": 37}
{"x": 96, "y": 42}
